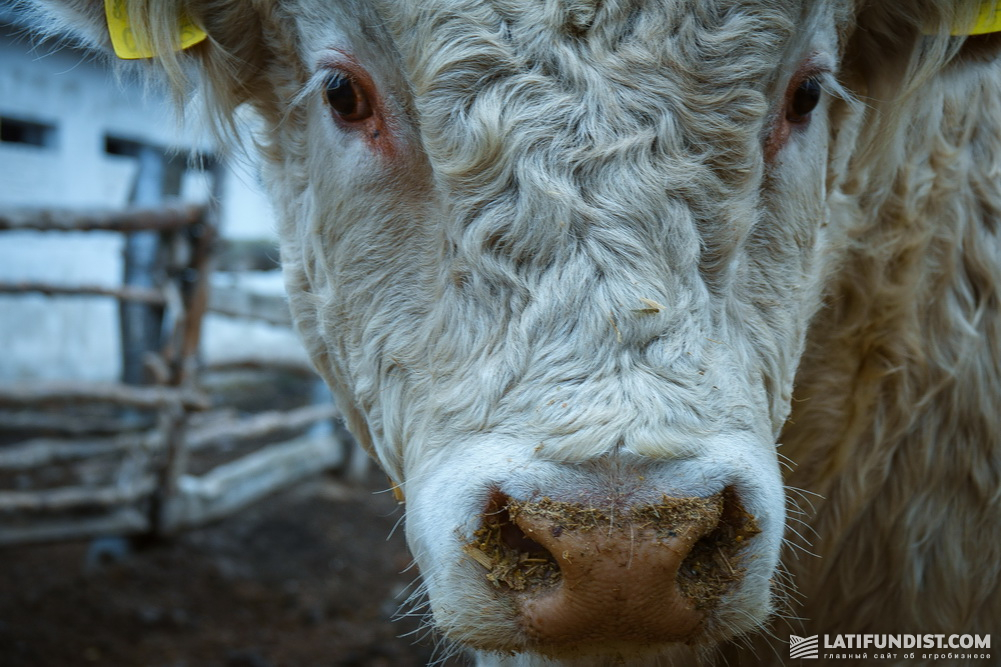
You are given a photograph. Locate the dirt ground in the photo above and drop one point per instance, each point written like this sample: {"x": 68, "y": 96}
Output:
{"x": 306, "y": 578}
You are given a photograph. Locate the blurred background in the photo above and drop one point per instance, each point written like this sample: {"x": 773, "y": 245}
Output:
{"x": 176, "y": 487}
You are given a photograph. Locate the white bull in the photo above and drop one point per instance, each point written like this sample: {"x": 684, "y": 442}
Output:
{"x": 564, "y": 262}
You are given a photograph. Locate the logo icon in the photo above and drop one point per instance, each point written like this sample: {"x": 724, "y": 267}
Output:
{"x": 803, "y": 648}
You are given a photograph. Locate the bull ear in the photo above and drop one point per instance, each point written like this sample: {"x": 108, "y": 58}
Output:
{"x": 902, "y": 42}
{"x": 134, "y": 30}
{"x": 899, "y": 20}
{"x": 225, "y": 38}
{"x": 894, "y": 52}
{"x": 987, "y": 21}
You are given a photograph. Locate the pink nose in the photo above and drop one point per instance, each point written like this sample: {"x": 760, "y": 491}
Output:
{"x": 637, "y": 575}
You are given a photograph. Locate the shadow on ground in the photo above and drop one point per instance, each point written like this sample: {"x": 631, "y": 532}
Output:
{"x": 303, "y": 579}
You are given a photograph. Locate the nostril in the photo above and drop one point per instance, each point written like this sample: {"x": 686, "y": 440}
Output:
{"x": 712, "y": 567}
{"x": 513, "y": 537}
{"x": 512, "y": 558}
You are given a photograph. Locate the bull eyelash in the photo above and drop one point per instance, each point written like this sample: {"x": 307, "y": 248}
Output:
{"x": 831, "y": 86}
{"x": 313, "y": 84}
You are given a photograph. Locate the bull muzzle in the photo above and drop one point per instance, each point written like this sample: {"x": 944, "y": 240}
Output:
{"x": 586, "y": 574}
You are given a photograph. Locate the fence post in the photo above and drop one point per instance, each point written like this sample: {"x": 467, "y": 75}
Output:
{"x": 182, "y": 352}
{"x": 141, "y": 323}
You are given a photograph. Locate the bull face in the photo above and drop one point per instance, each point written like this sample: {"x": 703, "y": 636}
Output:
{"x": 558, "y": 267}
{"x": 557, "y": 260}
{"x": 558, "y": 264}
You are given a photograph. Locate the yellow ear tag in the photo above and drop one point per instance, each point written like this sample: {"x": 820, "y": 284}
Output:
{"x": 127, "y": 47}
{"x": 988, "y": 20}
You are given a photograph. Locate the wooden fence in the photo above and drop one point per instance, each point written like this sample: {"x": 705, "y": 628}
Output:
{"x": 117, "y": 458}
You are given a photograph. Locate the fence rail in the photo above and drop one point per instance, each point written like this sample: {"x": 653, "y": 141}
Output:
{"x": 139, "y": 480}
{"x": 167, "y": 219}
{"x": 142, "y": 295}
{"x": 36, "y": 394}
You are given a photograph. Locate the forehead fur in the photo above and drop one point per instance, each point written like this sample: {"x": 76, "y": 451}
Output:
{"x": 609, "y": 96}
{"x": 619, "y": 69}
{"x": 594, "y": 130}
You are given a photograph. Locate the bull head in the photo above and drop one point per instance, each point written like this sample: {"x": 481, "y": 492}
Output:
{"x": 562, "y": 263}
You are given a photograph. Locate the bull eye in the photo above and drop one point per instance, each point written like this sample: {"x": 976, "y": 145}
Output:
{"x": 346, "y": 99}
{"x": 804, "y": 100}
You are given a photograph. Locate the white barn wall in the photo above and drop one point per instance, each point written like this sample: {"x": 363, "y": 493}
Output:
{"x": 78, "y": 337}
